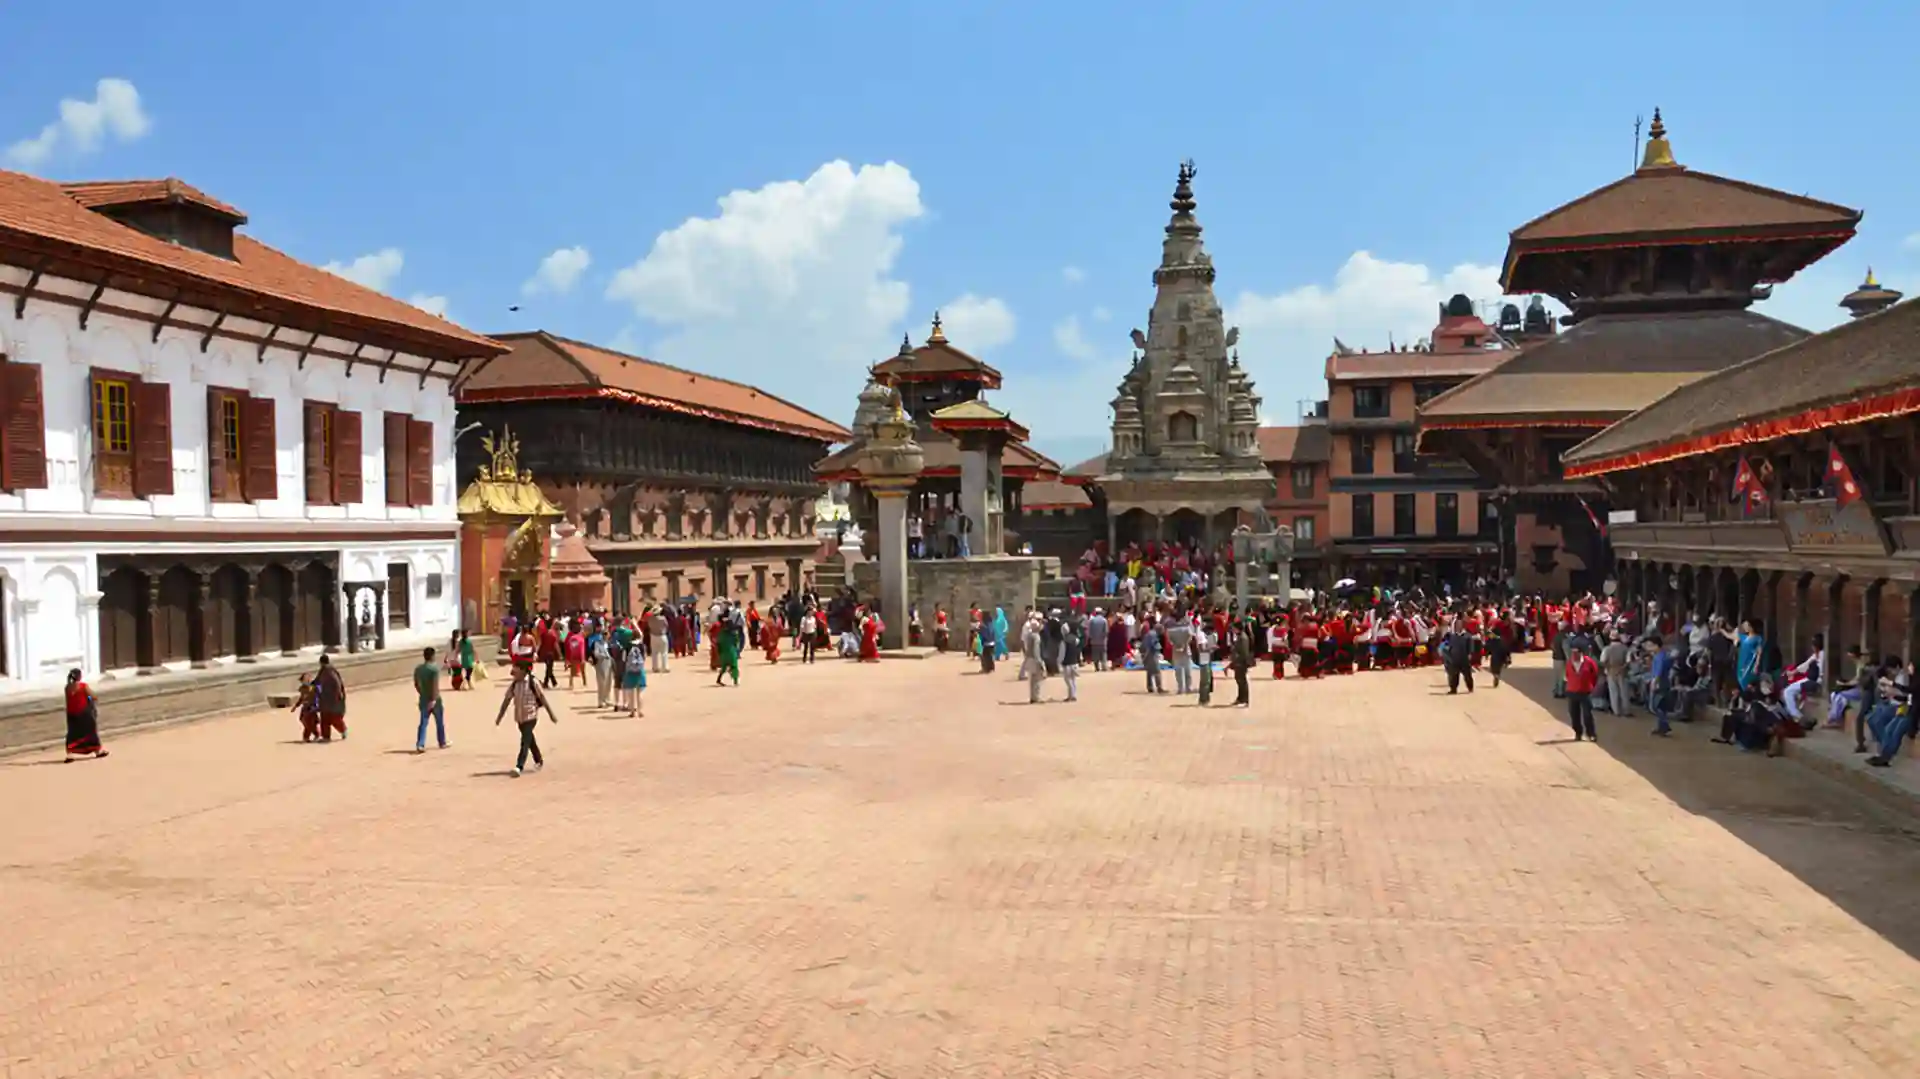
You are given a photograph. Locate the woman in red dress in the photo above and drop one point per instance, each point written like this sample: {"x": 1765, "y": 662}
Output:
{"x": 770, "y": 633}
{"x": 870, "y": 638}
{"x": 83, "y": 720}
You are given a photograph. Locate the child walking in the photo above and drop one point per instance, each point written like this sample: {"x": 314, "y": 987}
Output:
{"x": 526, "y": 700}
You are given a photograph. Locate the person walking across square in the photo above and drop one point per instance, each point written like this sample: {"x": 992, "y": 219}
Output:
{"x": 426, "y": 683}
{"x": 527, "y": 702}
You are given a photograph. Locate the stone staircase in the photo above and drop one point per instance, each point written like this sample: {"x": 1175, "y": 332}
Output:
{"x": 829, "y": 576}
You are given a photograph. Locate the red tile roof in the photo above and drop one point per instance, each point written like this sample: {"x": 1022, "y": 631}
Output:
{"x": 1679, "y": 200}
{"x": 96, "y": 194}
{"x": 1304, "y": 444}
{"x": 1390, "y": 366}
{"x": 544, "y": 365}
{"x": 55, "y": 220}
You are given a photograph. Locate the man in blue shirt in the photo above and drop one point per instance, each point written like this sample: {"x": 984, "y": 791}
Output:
{"x": 1660, "y": 686}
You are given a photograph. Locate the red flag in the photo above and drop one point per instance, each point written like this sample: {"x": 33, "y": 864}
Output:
{"x": 1744, "y": 481}
{"x": 1840, "y": 480}
{"x": 1595, "y": 521}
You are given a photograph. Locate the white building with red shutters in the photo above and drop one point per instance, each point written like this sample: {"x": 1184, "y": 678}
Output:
{"x": 210, "y": 452}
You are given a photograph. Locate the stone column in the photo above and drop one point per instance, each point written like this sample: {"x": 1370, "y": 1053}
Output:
{"x": 353, "y": 619}
{"x": 793, "y": 575}
{"x": 890, "y": 547}
{"x": 974, "y": 483}
{"x": 260, "y": 637}
{"x": 380, "y": 616}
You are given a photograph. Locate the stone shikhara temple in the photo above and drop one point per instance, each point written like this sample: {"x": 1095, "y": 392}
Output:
{"x": 1185, "y": 460}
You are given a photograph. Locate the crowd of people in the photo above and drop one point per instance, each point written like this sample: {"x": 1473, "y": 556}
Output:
{"x": 1161, "y": 609}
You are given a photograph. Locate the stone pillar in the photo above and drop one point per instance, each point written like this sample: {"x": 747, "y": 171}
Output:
{"x": 1870, "y": 648}
{"x": 974, "y": 484}
{"x": 1797, "y": 618}
{"x": 890, "y": 547}
{"x": 380, "y": 616}
{"x": 793, "y": 575}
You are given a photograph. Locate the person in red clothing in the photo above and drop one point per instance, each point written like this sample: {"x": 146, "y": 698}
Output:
{"x": 549, "y": 651}
{"x": 1306, "y": 645}
{"x": 1340, "y": 631}
{"x": 1583, "y": 676}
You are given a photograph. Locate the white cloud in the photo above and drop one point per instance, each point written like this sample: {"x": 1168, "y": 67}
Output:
{"x": 789, "y": 286}
{"x": 1101, "y": 314}
{"x": 1912, "y": 243}
{"x": 558, "y": 272}
{"x": 977, "y": 324}
{"x": 379, "y": 270}
{"x": 1073, "y": 274}
{"x": 375, "y": 271}
{"x": 1285, "y": 338}
{"x": 83, "y": 125}
{"x": 1070, "y": 339}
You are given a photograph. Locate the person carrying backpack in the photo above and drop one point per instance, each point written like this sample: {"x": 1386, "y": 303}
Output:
{"x": 633, "y": 678}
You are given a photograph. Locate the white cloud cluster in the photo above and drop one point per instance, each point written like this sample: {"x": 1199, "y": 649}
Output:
{"x": 114, "y": 112}
{"x": 1073, "y": 275}
{"x": 1071, "y": 339}
{"x": 1285, "y": 337}
{"x": 790, "y": 286}
{"x": 977, "y": 324}
{"x": 558, "y": 272}
{"x": 378, "y": 271}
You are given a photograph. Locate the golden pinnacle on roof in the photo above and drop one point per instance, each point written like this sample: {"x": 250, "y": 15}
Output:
{"x": 938, "y": 336}
{"x": 1659, "y": 153}
{"x": 1870, "y": 282}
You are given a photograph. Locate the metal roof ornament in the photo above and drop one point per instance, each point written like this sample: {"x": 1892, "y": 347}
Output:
{"x": 1659, "y": 153}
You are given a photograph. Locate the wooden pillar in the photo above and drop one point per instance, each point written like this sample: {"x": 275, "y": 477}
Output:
{"x": 1870, "y": 641}
{"x": 380, "y": 616}
{"x": 1912, "y": 621}
{"x": 200, "y": 622}
{"x": 1769, "y": 609}
{"x": 1836, "y": 590}
{"x": 793, "y": 575}
{"x": 146, "y": 637}
{"x": 253, "y": 634}
{"x": 329, "y": 609}
{"x": 1797, "y": 630}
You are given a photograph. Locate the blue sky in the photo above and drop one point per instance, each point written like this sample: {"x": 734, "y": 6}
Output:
{"x": 1357, "y": 164}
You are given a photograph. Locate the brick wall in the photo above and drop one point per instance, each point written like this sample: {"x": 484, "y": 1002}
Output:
{"x": 1011, "y": 582}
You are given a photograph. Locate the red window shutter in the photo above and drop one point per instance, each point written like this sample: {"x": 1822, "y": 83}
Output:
{"x": 23, "y": 427}
{"x": 319, "y": 482}
{"x": 395, "y": 451}
{"x": 259, "y": 450}
{"x": 152, "y": 439}
{"x": 419, "y": 463}
{"x": 346, "y": 457}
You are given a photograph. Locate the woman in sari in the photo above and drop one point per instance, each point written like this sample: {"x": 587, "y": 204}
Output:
{"x": 83, "y": 720}
{"x": 870, "y": 638}
{"x": 770, "y": 633}
{"x": 1000, "y": 629}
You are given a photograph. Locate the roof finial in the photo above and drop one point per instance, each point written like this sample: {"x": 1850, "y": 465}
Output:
{"x": 906, "y": 344}
{"x": 938, "y": 336}
{"x": 1183, "y": 190}
{"x": 1659, "y": 152}
{"x": 1870, "y": 282}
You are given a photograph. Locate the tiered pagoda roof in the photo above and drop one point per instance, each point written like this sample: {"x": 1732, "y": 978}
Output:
{"x": 1658, "y": 270}
{"x": 934, "y": 372}
{"x": 1862, "y": 370}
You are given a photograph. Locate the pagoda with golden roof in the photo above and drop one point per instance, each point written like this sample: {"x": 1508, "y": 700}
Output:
{"x": 1659, "y": 271}
{"x": 506, "y": 525}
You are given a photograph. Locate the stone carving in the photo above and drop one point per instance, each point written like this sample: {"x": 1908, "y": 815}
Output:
{"x": 762, "y": 513}
{"x": 718, "y": 504}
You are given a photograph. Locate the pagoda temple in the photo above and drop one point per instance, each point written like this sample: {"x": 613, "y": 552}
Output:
{"x": 1658, "y": 271}
{"x": 506, "y": 523}
{"x": 940, "y": 387}
{"x": 1185, "y": 460}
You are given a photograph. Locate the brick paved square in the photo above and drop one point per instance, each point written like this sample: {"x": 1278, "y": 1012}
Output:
{"x": 902, "y": 871}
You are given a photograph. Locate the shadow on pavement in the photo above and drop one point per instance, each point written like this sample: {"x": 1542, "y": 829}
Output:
{"x": 1860, "y": 854}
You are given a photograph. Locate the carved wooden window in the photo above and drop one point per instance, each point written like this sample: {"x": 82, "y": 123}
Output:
{"x": 419, "y": 463}
{"x": 1303, "y": 530}
{"x": 1360, "y": 450}
{"x": 1363, "y": 516}
{"x": 1446, "y": 514}
{"x": 132, "y": 436}
{"x": 23, "y": 427}
{"x": 1404, "y": 515}
{"x": 318, "y": 450}
{"x": 1303, "y": 481}
{"x": 226, "y": 444}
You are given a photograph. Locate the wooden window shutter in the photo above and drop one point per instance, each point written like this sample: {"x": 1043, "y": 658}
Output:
{"x": 419, "y": 463}
{"x": 319, "y": 482}
{"x": 152, "y": 439}
{"x": 346, "y": 457}
{"x": 218, "y": 477}
{"x": 23, "y": 427}
{"x": 395, "y": 451}
{"x": 259, "y": 450}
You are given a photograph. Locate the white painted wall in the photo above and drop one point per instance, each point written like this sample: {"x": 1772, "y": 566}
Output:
{"x": 49, "y": 593}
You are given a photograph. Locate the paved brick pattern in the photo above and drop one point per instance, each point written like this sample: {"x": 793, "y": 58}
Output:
{"x": 814, "y": 876}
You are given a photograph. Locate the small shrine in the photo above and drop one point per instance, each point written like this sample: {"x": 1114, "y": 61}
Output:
{"x": 506, "y": 526}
